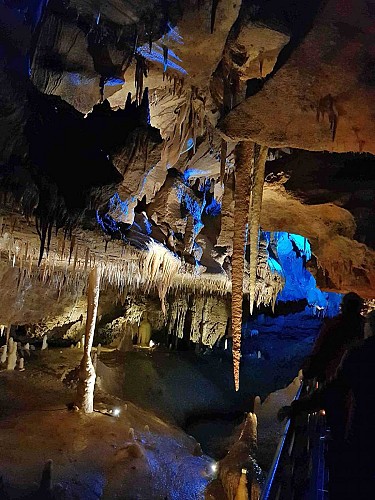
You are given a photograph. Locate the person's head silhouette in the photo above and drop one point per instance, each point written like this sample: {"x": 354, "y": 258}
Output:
{"x": 352, "y": 304}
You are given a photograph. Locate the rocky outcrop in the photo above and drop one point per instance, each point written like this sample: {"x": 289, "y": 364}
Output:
{"x": 319, "y": 99}
{"x": 202, "y": 319}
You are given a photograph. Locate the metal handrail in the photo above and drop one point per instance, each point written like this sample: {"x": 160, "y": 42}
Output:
{"x": 265, "y": 495}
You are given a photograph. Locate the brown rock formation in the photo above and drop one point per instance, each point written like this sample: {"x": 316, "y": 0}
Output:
{"x": 319, "y": 100}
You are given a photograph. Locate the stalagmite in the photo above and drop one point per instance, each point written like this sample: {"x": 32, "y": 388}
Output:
{"x": 45, "y": 343}
{"x": 45, "y": 486}
{"x": 4, "y": 354}
{"x": 257, "y": 404}
{"x": 244, "y": 159}
{"x": 144, "y": 331}
{"x": 99, "y": 349}
{"x": 260, "y": 156}
{"x": 12, "y": 356}
{"x": 240, "y": 461}
{"x": 242, "y": 493}
{"x": 86, "y": 382}
{"x": 21, "y": 365}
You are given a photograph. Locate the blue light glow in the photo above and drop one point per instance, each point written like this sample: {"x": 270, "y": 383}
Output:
{"x": 172, "y": 35}
{"x": 156, "y": 55}
{"x": 193, "y": 173}
{"x": 113, "y": 82}
{"x": 192, "y": 205}
{"x": 189, "y": 144}
{"x": 77, "y": 79}
{"x": 148, "y": 226}
{"x": 116, "y": 204}
{"x": 293, "y": 251}
{"x": 108, "y": 224}
{"x": 214, "y": 208}
{"x": 275, "y": 266}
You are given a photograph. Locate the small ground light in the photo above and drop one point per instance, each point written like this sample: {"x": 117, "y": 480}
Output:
{"x": 116, "y": 412}
{"x": 214, "y": 467}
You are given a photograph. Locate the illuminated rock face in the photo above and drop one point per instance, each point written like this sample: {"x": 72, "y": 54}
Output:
{"x": 314, "y": 101}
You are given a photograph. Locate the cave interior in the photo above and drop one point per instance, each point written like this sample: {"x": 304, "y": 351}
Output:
{"x": 186, "y": 193}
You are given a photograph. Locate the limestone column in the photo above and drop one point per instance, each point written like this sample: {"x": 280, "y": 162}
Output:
{"x": 86, "y": 382}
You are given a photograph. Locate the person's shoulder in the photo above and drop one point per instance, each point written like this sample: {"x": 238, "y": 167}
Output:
{"x": 363, "y": 348}
{"x": 368, "y": 344}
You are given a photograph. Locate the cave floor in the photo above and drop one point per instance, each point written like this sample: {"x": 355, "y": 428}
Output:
{"x": 93, "y": 456}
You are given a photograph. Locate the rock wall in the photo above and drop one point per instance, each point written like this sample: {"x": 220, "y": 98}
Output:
{"x": 200, "y": 318}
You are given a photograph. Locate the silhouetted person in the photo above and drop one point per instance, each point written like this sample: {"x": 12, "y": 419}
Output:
{"x": 336, "y": 336}
{"x": 351, "y": 459}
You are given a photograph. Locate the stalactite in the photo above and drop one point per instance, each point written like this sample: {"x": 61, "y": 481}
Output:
{"x": 141, "y": 72}
{"x": 214, "y": 5}
{"x": 165, "y": 58}
{"x": 144, "y": 117}
{"x": 188, "y": 125}
{"x": 75, "y": 258}
{"x": 244, "y": 160}
{"x": 223, "y": 159}
{"x": 87, "y": 256}
{"x": 327, "y": 106}
{"x": 260, "y": 156}
{"x": 72, "y": 244}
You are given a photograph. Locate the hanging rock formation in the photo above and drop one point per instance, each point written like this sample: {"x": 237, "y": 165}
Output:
{"x": 319, "y": 99}
{"x": 244, "y": 161}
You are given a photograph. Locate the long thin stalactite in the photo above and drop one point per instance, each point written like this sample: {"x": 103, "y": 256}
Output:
{"x": 260, "y": 157}
{"x": 244, "y": 158}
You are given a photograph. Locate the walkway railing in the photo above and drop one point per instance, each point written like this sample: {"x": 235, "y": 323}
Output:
{"x": 298, "y": 471}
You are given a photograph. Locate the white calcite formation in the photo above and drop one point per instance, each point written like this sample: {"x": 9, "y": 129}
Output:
{"x": 4, "y": 353}
{"x": 12, "y": 356}
{"x": 45, "y": 343}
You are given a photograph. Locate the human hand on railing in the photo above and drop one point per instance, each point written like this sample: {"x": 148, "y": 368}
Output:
{"x": 285, "y": 412}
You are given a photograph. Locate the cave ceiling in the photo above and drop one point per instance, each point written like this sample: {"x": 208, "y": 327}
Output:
{"x": 119, "y": 122}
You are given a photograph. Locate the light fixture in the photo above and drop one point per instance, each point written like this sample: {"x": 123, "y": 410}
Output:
{"x": 116, "y": 412}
